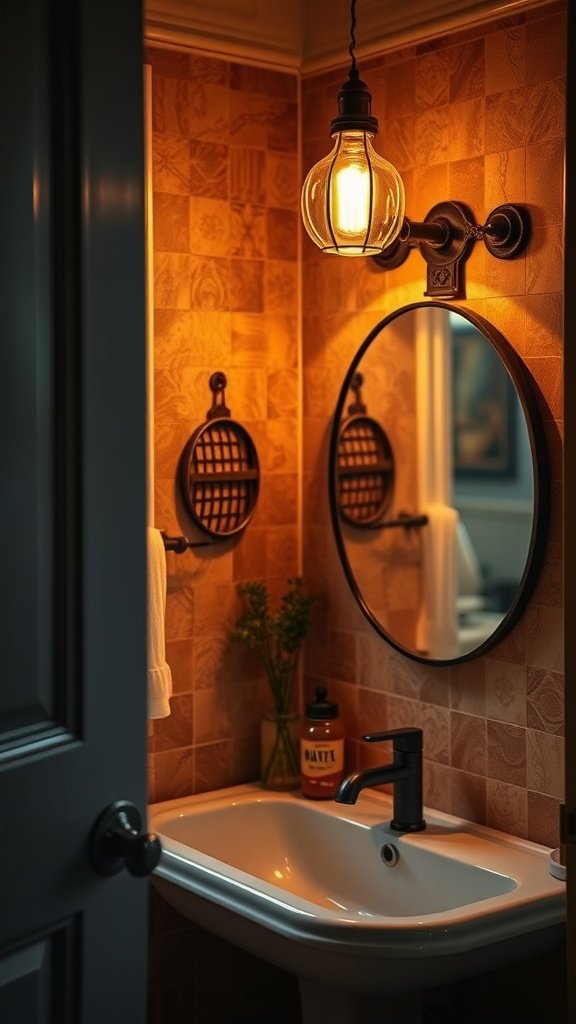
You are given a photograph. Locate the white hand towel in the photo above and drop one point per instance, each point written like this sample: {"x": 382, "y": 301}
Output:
{"x": 437, "y": 632}
{"x": 159, "y": 674}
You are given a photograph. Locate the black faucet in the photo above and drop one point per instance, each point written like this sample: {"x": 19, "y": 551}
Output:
{"x": 405, "y": 772}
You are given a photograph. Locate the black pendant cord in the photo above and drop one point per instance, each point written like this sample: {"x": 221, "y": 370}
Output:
{"x": 353, "y": 73}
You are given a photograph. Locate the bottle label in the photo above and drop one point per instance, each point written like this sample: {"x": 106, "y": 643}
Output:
{"x": 321, "y": 758}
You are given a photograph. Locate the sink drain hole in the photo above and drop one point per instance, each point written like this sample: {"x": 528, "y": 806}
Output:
{"x": 389, "y": 855}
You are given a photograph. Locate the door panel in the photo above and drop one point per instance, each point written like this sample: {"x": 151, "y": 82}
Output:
{"x": 37, "y": 980}
{"x": 72, "y": 516}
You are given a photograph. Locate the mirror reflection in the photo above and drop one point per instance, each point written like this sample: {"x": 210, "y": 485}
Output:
{"x": 437, "y": 527}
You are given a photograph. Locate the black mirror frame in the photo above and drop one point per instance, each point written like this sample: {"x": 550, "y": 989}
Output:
{"x": 526, "y": 391}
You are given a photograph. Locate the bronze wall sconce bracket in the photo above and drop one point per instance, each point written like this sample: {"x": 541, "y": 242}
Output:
{"x": 446, "y": 237}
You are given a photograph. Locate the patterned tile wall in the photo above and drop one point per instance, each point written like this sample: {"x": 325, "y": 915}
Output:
{"x": 225, "y": 211}
{"x": 479, "y": 117}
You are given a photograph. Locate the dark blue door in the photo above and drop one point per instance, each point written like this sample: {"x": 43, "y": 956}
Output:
{"x": 72, "y": 506}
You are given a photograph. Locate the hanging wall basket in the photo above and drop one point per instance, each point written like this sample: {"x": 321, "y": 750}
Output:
{"x": 365, "y": 465}
{"x": 219, "y": 471}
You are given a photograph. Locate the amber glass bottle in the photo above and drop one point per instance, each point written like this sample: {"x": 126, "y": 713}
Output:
{"x": 321, "y": 748}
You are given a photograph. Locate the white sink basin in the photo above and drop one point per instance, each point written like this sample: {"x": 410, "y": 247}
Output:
{"x": 304, "y": 885}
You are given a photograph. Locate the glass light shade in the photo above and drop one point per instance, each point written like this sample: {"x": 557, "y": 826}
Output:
{"x": 353, "y": 199}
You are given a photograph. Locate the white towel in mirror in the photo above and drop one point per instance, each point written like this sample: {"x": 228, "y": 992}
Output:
{"x": 437, "y": 632}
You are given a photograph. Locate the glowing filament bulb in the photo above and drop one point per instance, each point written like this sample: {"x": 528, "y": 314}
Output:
{"x": 351, "y": 199}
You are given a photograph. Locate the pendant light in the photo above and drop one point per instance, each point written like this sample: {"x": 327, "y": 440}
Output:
{"x": 353, "y": 204}
{"x": 353, "y": 199}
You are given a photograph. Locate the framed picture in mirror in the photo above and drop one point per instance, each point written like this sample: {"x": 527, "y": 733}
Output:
{"x": 483, "y": 409}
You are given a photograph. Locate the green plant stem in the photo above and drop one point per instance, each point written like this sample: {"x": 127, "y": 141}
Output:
{"x": 284, "y": 748}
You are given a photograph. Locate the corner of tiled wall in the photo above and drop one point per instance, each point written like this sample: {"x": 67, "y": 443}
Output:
{"x": 225, "y": 211}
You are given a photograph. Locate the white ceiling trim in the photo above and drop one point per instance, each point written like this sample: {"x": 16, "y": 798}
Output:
{"x": 311, "y": 35}
{"x": 255, "y": 30}
{"x": 387, "y": 24}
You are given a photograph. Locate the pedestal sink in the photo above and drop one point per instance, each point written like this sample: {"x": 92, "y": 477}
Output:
{"x": 356, "y": 911}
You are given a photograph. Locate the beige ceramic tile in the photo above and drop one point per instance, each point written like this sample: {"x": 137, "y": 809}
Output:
{"x": 213, "y": 766}
{"x": 506, "y": 116}
{"x": 171, "y": 227}
{"x": 282, "y": 126}
{"x": 545, "y": 701}
{"x": 282, "y": 394}
{"x": 466, "y": 184}
{"x": 545, "y": 763}
{"x": 430, "y": 187}
{"x": 174, "y": 773}
{"x": 505, "y": 692}
{"x": 398, "y": 145}
{"x": 544, "y": 324}
{"x": 374, "y": 716}
{"x": 179, "y": 624}
{"x": 170, "y": 110}
{"x": 509, "y": 313}
{"x": 209, "y": 283}
{"x": 282, "y": 180}
{"x": 507, "y": 808}
{"x": 547, "y": 372}
{"x": 398, "y": 89}
{"x": 209, "y": 117}
{"x": 505, "y": 59}
{"x": 248, "y": 175}
{"x": 282, "y": 340}
{"x": 209, "y": 163}
{"x": 206, "y": 69}
{"x": 173, "y": 338}
{"x": 217, "y": 607}
{"x": 468, "y": 687}
{"x": 466, "y": 796}
{"x": 250, "y": 554}
{"x": 543, "y": 819}
{"x": 545, "y": 182}
{"x": 248, "y": 119}
{"x": 432, "y": 83}
{"x": 282, "y": 234}
{"x": 171, "y": 280}
{"x": 437, "y": 781}
{"x": 283, "y": 552}
{"x": 505, "y": 177}
{"x": 180, "y": 652}
{"x": 279, "y": 494}
{"x": 435, "y": 725}
{"x": 432, "y": 133}
{"x": 468, "y": 743}
{"x": 248, "y": 231}
{"x": 281, "y": 286}
{"x": 211, "y": 656}
{"x": 169, "y": 440}
{"x": 170, "y": 164}
{"x": 211, "y": 230}
{"x": 546, "y": 111}
{"x": 505, "y": 277}
{"x": 175, "y": 731}
{"x": 466, "y": 70}
{"x": 546, "y": 48}
{"x": 506, "y": 753}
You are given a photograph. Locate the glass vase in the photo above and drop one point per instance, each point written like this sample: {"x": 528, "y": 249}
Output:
{"x": 280, "y": 750}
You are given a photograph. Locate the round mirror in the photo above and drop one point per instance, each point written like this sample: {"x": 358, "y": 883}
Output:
{"x": 441, "y": 565}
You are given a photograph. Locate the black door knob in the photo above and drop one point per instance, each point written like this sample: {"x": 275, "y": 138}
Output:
{"x": 117, "y": 842}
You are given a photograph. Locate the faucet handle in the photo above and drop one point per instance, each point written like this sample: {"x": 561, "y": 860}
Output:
{"x": 407, "y": 740}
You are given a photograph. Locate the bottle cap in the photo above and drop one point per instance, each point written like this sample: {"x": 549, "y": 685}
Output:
{"x": 321, "y": 708}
